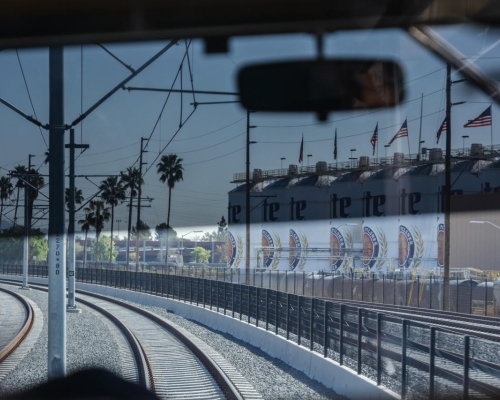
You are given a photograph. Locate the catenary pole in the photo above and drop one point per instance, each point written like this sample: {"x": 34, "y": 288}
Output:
{"x": 71, "y": 224}
{"x": 26, "y": 244}
{"x": 57, "y": 243}
{"x": 138, "y": 226}
{"x": 447, "y": 199}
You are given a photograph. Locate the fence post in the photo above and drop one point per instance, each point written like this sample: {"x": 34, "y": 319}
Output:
{"x": 431, "y": 279}
{"x": 286, "y": 281}
{"x": 457, "y": 295}
{"x": 341, "y": 334}
{"x": 217, "y": 290}
{"x": 432, "y": 362}
{"x": 257, "y": 309}
{"x": 333, "y": 286}
{"x": 360, "y": 337}
{"x": 225, "y": 295}
{"x": 406, "y": 289}
{"x": 232, "y": 296}
{"x": 311, "y": 325}
{"x": 211, "y": 293}
{"x": 288, "y": 316}
{"x": 267, "y": 309}
{"x": 298, "y": 321}
{"x": 352, "y": 286}
{"x": 312, "y": 285}
{"x": 276, "y": 313}
{"x": 362, "y": 287}
{"x": 249, "y": 296}
{"x": 343, "y": 278}
{"x": 403, "y": 358}
{"x": 466, "y": 366}
{"x": 254, "y": 276}
{"x": 325, "y": 329}
{"x": 379, "y": 349}
{"x": 270, "y": 276}
{"x": 241, "y": 299}
{"x": 277, "y": 280}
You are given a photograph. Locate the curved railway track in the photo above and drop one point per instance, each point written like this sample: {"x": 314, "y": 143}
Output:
{"x": 476, "y": 325}
{"x": 170, "y": 362}
{"x": 18, "y": 331}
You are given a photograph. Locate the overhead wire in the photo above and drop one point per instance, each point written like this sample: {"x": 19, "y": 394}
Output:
{"x": 216, "y": 158}
{"x": 209, "y": 147}
{"x": 29, "y": 96}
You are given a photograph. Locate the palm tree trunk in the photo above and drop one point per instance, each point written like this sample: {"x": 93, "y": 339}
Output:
{"x": 168, "y": 224}
{"x": 129, "y": 228}
{"x": 17, "y": 203}
{"x": 1, "y": 213}
{"x": 112, "y": 221}
{"x": 85, "y": 250}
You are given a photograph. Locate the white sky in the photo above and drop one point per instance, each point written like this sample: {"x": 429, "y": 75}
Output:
{"x": 212, "y": 142}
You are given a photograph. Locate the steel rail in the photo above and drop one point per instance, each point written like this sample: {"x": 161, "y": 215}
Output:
{"x": 453, "y": 321}
{"x": 230, "y": 390}
{"x": 28, "y": 324}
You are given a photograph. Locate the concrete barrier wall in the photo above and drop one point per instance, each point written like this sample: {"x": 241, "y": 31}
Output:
{"x": 342, "y": 380}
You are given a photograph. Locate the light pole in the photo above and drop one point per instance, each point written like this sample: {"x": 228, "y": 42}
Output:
{"x": 463, "y": 139}
{"x": 282, "y": 159}
{"x": 182, "y": 244}
{"x": 308, "y": 156}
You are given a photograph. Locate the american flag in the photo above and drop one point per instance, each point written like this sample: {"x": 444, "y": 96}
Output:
{"x": 441, "y": 129}
{"x": 483, "y": 120}
{"x": 301, "y": 155}
{"x": 401, "y": 133}
{"x": 374, "y": 138}
{"x": 335, "y": 146}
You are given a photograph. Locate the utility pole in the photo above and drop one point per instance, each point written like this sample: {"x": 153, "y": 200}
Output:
{"x": 138, "y": 228}
{"x": 71, "y": 306}
{"x": 447, "y": 199}
{"x": 57, "y": 241}
{"x": 27, "y": 223}
{"x": 247, "y": 200}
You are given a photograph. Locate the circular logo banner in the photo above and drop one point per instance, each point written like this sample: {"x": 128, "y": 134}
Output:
{"x": 371, "y": 248}
{"x": 234, "y": 250}
{"x": 267, "y": 241}
{"x": 406, "y": 247}
{"x": 337, "y": 245}
{"x": 295, "y": 250}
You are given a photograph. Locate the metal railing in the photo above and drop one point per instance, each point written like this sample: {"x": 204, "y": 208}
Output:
{"x": 404, "y": 356}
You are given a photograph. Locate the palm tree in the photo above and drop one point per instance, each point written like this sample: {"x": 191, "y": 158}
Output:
{"x": 47, "y": 157}
{"x": 36, "y": 181}
{"x": 170, "y": 170}
{"x": 98, "y": 214}
{"x": 131, "y": 180}
{"x": 86, "y": 224}
{"x": 112, "y": 192}
{"x": 6, "y": 190}
{"x": 78, "y": 196}
{"x": 19, "y": 170}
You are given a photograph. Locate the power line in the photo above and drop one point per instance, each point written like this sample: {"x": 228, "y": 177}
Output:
{"x": 209, "y": 147}
{"x": 216, "y": 158}
{"x": 29, "y": 96}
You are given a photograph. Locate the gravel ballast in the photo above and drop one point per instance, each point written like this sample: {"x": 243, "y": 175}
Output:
{"x": 91, "y": 343}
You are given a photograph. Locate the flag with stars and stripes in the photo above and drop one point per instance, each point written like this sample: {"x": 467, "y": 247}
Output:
{"x": 403, "y": 132}
{"x": 441, "y": 129}
{"x": 483, "y": 120}
{"x": 374, "y": 138}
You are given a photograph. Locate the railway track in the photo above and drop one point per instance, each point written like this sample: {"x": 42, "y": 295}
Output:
{"x": 20, "y": 324}
{"x": 169, "y": 361}
{"x": 476, "y": 325}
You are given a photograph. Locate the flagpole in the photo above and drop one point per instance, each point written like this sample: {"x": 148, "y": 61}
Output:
{"x": 377, "y": 143}
{"x": 408, "y": 137}
{"x": 491, "y": 112}
{"x": 420, "y": 133}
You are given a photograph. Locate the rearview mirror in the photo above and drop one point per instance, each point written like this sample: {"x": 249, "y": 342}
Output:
{"x": 321, "y": 86}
